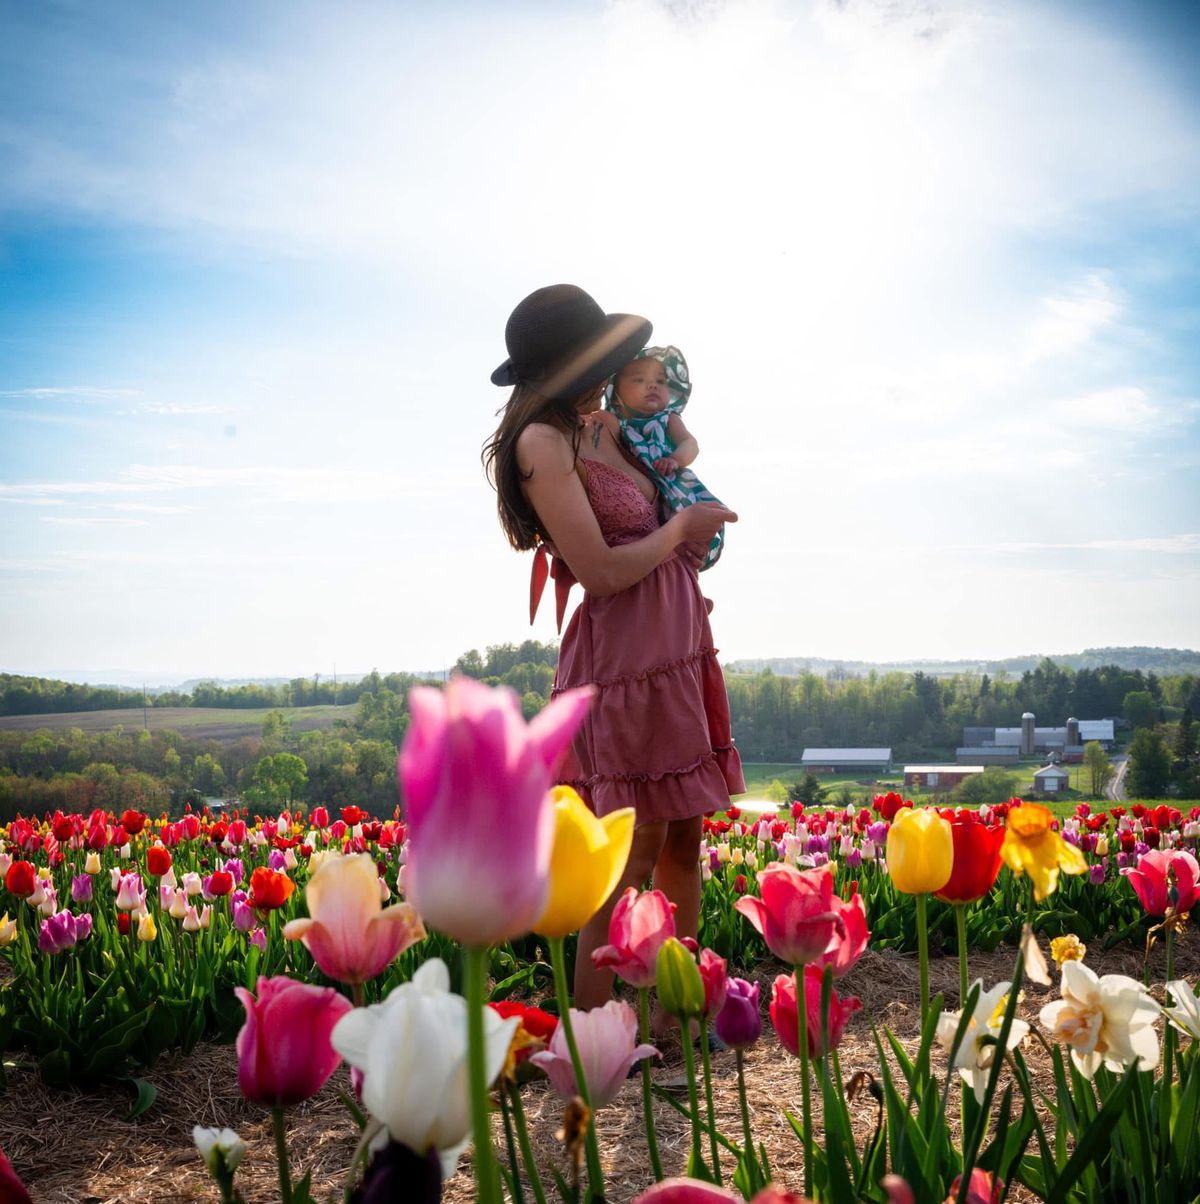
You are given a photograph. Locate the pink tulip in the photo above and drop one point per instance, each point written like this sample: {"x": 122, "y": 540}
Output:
{"x": 476, "y": 782}
{"x": 787, "y": 1022}
{"x": 712, "y": 974}
{"x": 853, "y": 941}
{"x": 349, "y": 933}
{"x": 797, "y": 914}
{"x": 606, "y": 1038}
{"x": 640, "y": 924}
{"x": 284, "y": 1054}
{"x": 1158, "y": 872}
{"x": 982, "y": 1188}
{"x": 693, "y": 1191}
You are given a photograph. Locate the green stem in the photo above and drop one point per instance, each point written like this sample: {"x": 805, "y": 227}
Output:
{"x": 708, "y": 1100}
{"x": 487, "y": 1182}
{"x": 923, "y": 955}
{"x": 689, "y": 1062}
{"x": 1169, "y": 1031}
{"x": 558, "y": 960}
{"x": 964, "y": 978}
{"x": 805, "y": 1097}
{"x": 511, "y": 1147}
{"x": 531, "y": 1170}
{"x": 647, "y": 1094}
{"x": 750, "y": 1158}
{"x": 281, "y": 1155}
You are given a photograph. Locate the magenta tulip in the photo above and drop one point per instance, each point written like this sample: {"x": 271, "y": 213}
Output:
{"x": 853, "y": 939}
{"x": 476, "y": 781}
{"x": 739, "y": 1022}
{"x": 351, "y": 936}
{"x": 284, "y": 1054}
{"x": 639, "y": 926}
{"x": 796, "y": 915}
{"x": 607, "y": 1041}
{"x": 693, "y": 1191}
{"x": 1158, "y": 873}
{"x": 786, "y": 1020}
{"x": 714, "y": 977}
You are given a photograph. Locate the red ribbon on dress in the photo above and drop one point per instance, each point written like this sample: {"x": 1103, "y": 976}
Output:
{"x": 545, "y": 565}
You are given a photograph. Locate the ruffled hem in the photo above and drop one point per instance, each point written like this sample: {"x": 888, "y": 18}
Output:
{"x": 628, "y": 679}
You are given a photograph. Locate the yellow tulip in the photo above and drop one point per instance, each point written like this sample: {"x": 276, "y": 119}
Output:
{"x": 147, "y": 930}
{"x": 8, "y": 930}
{"x": 920, "y": 851}
{"x": 92, "y": 864}
{"x": 587, "y": 862}
{"x": 1031, "y": 846}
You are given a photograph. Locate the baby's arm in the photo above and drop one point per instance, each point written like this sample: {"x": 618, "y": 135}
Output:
{"x": 686, "y": 448}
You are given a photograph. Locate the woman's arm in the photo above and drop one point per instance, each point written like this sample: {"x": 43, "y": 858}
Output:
{"x": 556, "y": 493}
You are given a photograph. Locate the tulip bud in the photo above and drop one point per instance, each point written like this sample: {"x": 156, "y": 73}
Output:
{"x": 92, "y": 864}
{"x": 147, "y": 930}
{"x": 221, "y": 1149}
{"x": 677, "y": 978}
{"x": 739, "y": 1022}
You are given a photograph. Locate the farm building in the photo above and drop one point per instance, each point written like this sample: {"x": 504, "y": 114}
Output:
{"x": 847, "y": 760}
{"x": 1004, "y": 745}
{"x": 1051, "y": 780}
{"x": 938, "y": 777}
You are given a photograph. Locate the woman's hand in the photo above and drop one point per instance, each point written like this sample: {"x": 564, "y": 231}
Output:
{"x": 699, "y": 523}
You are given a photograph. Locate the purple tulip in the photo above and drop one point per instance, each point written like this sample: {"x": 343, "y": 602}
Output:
{"x": 739, "y": 1022}
{"x": 61, "y": 931}
{"x": 1125, "y": 860}
{"x": 81, "y": 888}
{"x": 277, "y": 861}
{"x": 877, "y": 832}
{"x": 1097, "y": 873}
{"x": 476, "y": 780}
{"x": 235, "y": 867}
{"x": 854, "y": 858}
{"x": 258, "y": 937}
{"x": 242, "y": 912}
{"x": 284, "y": 1054}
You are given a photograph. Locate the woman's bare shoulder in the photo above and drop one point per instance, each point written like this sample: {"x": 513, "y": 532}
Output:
{"x": 541, "y": 445}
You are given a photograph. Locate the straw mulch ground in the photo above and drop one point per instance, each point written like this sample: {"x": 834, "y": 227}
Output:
{"x": 76, "y": 1147}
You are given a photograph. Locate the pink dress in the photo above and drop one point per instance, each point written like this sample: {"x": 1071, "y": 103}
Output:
{"x": 657, "y": 737}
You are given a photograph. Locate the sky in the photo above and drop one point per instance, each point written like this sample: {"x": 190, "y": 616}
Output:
{"x": 935, "y": 268}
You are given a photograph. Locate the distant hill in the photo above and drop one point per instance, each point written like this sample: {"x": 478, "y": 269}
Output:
{"x": 1166, "y": 662}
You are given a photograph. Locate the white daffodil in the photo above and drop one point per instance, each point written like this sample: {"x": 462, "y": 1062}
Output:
{"x": 1185, "y": 1015}
{"x": 412, "y": 1050}
{"x": 978, "y": 1048}
{"x": 223, "y": 1144}
{"x": 1106, "y": 1021}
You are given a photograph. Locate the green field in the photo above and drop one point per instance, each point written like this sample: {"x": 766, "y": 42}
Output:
{"x": 197, "y": 723}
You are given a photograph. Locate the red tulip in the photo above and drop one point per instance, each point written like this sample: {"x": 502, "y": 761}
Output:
{"x": 133, "y": 822}
{"x": 320, "y": 817}
{"x": 20, "y": 879}
{"x": 352, "y": 816}
{"x": 12, "y": 1190}
{"x": 123, "y": 923}
{"x": 787, "y": 1022}
{"x": 740, "y": 884}
{"x": 97, "y": 837}
{"x": 63, "y": 828}
{"x": 976, "y": 859}
{"x": 236, "y": 832}
{"x": 639, "y": 925}
{"x": 220, "y": 882}
{"x": 1164, "y": 878}
{"x": 269, "y": 889}
{"x": 796, "y": 914}
{"x": 284, "y": 1054}
{"x": 158, "y": 860}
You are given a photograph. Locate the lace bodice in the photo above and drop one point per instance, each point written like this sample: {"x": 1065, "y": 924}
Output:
{"x": 620, "y": 507}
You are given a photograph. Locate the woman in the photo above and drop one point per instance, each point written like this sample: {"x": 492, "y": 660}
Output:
{"x": 657, "y": 737}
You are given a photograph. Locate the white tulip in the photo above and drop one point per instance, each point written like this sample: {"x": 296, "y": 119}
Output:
{"x": 1185, "y": 1015}
{"x": 1106, "y": 1021}
{"x": 980, "y": 1042}
{"x": 412, "y": 1050}
{"x": 219, "y": 1143}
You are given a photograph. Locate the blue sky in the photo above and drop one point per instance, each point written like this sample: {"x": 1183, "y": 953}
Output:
{"x": 936, "y": 268}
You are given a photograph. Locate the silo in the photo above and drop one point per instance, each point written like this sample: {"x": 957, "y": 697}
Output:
{"x": 1072, "y": 733}
{"x": 1027, "y": 734}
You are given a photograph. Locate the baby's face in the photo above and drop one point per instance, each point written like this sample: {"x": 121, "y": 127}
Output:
{"x": 642, "y": 387}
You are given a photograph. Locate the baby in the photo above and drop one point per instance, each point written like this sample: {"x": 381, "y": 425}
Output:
{"x": 647, "y": 397}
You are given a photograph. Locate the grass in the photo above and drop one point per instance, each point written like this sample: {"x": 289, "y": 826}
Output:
{"x": 199, "y": 723}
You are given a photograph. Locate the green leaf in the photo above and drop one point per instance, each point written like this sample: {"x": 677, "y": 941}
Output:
{"x": 146, "y": 1093}
{"x": 1094, "y": 1139}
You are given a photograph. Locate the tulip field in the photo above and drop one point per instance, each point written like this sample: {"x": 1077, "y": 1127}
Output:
{"x": 432, "y": 953}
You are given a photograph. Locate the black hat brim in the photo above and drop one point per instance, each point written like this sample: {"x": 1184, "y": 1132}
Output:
{"x": 593, "y": 360}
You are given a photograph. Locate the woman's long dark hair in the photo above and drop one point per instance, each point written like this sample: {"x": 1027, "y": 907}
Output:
{"x": 517, "y": 516}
